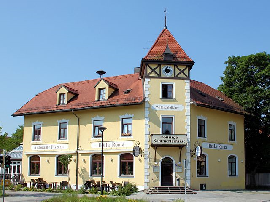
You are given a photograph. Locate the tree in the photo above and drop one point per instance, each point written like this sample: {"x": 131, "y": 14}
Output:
{"x": 65, "y": 159}
{"x": 8, "y": 143}
{"x": 247, "y": 81}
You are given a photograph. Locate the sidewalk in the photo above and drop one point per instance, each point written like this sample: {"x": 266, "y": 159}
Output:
{"x": 201, "y": 196}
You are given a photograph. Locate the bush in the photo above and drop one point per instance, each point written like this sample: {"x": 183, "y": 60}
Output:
{"x": 126, "y": 190}
{"x": 18, "y": 187}
{"x": 25, "y": 189}
{"x": 82, "y": 190}
{"x": 11, "y": 187}
{"x": 93, "y": 190}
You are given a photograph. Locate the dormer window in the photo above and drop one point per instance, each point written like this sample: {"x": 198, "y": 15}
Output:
{"x": 62, "y": 98}
{"x": 102, "y": 93}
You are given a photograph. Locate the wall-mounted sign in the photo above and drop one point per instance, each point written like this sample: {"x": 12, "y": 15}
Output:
{"x": 179, "y": 169}
{"x": 207, "y": 145}
{"x": 49, "y": 147}
{"x": 156, "y": 169}
{"x": 168, "y": 140}
{"x": 167, "y": 107}
{"x": 119, "y": 144}
{"x": 136, "y": 151}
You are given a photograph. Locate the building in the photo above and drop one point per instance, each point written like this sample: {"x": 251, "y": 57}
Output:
{"x": 14, "y": 171}
{"x": 157, "y": 112}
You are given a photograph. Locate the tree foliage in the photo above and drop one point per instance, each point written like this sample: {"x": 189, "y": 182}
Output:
{"x": 247, "y": 81}
{"x": 11, "y": 142}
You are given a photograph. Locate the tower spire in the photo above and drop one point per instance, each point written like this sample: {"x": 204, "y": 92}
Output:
{"x": 165, "y": 11}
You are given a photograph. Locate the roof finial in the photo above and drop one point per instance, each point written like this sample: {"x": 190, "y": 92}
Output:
{"x": 165, "y": 11}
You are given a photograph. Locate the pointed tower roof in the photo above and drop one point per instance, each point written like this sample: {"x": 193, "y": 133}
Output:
{"x": 164, "y": 43}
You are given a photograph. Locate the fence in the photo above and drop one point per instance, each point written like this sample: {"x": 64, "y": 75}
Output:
{"x": 261, "y": 179}
{"x": 14, "y": 178}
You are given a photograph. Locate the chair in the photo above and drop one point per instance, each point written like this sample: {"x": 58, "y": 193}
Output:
{"x": 113, "y": 185}
{"x": 63, "y": 185}
{"x": 41, "y": 183}
{"x": 33, "y": 183}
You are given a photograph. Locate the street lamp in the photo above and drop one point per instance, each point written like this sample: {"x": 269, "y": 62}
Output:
{"x": 101, "y": 129}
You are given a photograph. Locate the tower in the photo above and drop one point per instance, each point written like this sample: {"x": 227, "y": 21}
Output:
{"x": 166, "y": 74}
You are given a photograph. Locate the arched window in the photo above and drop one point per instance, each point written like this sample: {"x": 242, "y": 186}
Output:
{"x": 202, "y": 165}
{"x": 96, "y": 165}
{"x": 126, "y": 164}
{"x": 232, "y": 165}
{"x": 34, "y": 165}
{"x": 61, "y": 169}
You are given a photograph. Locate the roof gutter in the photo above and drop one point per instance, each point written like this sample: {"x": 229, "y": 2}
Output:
{"x": 77, "y": 148}
{"x": 75, "y": 109}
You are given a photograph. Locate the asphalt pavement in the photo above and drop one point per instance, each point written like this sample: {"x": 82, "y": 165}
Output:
{"x": 201, "y": 196}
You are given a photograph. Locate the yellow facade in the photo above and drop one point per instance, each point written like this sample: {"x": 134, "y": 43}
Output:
{"x": 49, "y": 136}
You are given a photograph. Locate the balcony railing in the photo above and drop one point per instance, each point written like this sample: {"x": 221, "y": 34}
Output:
{"x": 168, "y": 140}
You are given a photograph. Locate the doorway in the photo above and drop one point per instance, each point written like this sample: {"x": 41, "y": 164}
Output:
{"x": 167, "y": 172}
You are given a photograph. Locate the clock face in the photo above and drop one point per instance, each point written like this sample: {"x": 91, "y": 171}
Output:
{"x": 167, "y": 70}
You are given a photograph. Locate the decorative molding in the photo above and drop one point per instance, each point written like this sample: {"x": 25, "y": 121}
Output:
{"x": 97, "y": 118}
{"x": 146, "y": 137}
{"x": 126, "y": 116}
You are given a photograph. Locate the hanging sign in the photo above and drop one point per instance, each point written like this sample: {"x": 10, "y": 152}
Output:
{"x": 167, "y": 107}
{"x": 136, "y": 151}
{"x": 168, "y": 140}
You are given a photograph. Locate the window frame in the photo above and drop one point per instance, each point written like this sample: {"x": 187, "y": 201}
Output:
{"x": 205, "y": 126}
{"x": 34, "y": 124}
{"x": 101, "y": 94}
{"x": 206, "y": 166}
{"x": 230, "y": 166}
{"x": 126, "y": 124}
{"x": 35, "y": 163}
{"x": 97, "y": 118}
{"x": 161, "y": 123}
{"x": 59, "y": 130}
{"x": 62, "y": 98}
{"x": 126, "y": 162}
{"x": 229, "y": 131}
{"x": 98, "y": 162}
{"x": 62, "y": 167}
{"x": 161, "y": 90}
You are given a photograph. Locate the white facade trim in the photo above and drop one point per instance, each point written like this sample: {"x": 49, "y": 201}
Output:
{"x": 232, "y": 123}
{"x": 188, "y": 156}
{"x": 147, "y": 136}
{"x": 62, "y": 121}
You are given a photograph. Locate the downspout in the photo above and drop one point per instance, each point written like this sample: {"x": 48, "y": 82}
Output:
{"x": 77, "y": 149}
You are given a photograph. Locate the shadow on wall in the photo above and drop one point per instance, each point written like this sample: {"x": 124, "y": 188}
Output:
{"x": 84, "y": 175}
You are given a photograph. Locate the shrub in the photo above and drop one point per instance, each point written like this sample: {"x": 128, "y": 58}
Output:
{"x": 126, "y": 190}
{"x": 25, "y": 189}
{"x": 11, "y": 186}
{"x": 18, "y": 187}
{"x": 93, "y": 190}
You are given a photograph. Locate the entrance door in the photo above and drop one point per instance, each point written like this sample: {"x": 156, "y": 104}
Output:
{"x": 167, "y": 172}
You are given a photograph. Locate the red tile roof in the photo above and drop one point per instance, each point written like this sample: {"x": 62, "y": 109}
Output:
{"x": 46, "y": 101}
{"x": 205, "y": 96}
{"x": 166, "y": 38}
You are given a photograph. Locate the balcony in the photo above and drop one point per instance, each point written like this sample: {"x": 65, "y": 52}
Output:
{"x": 168, "y": 140}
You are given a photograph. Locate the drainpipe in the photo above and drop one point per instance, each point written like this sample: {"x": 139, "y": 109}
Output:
{"x": 77, "y": 149}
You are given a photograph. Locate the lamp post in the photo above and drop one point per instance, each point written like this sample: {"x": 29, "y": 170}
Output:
{"x": 101, "y": 129}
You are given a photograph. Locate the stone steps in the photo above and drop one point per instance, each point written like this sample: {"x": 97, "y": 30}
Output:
{"x": 170, "y": 190}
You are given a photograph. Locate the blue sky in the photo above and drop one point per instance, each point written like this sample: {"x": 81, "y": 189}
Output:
{"x": 47, "y": 42}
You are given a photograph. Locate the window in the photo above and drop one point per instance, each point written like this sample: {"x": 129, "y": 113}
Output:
{"x": 167, "y": 91}
{"x": 201, "y": 128}
{"x": 96, "y": 165}
{"x": 62, "y": 131}
{"x": 231, "y": 132}
{"x": 61, "y": 169}
{"x": 62, "y": 98}
{"x": 201, "y": 166}
{"x": 167, "y": 125}
{"x": 34, "y": 165}
{"x": 36, "y": 132}
{"x": 126, "y": 126}
{"x": 101, "y": 93}
{"x": 126, "y": 164}
{"x": 232, "y": 165}
{"x": 96, "y": 125}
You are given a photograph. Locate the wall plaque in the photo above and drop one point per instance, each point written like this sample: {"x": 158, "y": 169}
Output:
{"x": 49, "y": 147}
{"x": 167, "y": 107}
{"x": 168, "y": 140}
{"x": 114, "y": 144}
{"x": 207, "y": 145}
